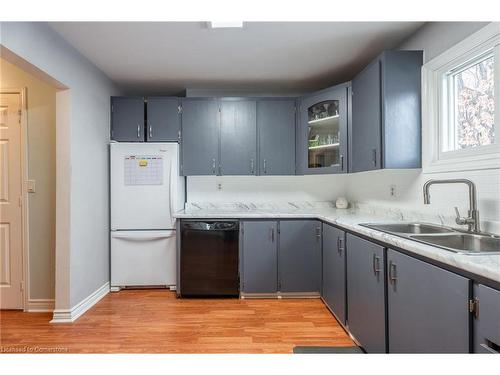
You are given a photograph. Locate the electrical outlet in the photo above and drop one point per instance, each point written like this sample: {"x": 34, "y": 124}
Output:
{"x": 392, "y": 190}
{"x": 219, "y": 186}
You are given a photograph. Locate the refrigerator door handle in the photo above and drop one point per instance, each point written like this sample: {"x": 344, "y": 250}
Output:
{"x": 140, "y": 236}
{"x": 172, "y": 221}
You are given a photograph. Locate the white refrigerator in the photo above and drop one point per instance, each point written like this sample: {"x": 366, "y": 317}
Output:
{"x": 146, "y": 190}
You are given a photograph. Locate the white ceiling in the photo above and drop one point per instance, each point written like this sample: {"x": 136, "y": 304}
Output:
{"x": 167, "y": 57}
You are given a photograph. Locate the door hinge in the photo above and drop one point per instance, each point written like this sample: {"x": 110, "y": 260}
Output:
{"x": 21, "y": 286}
{"x": 474, "y": 307}
{"x": 20, "y": 113}
{"x": 179, "y": 135}
{"x": 179, "y": 109}
{"x": 20, "y": 201}
{"x": 112, "y": 108}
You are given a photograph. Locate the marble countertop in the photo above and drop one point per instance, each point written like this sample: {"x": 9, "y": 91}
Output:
{"x": 487, "y": 266}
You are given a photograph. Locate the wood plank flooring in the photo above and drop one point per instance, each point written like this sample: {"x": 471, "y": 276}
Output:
{"x": 155, "y": 321}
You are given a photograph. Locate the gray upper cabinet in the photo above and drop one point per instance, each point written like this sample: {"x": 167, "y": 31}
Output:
{"x": 163, "y": 119}
{"x": 238, "y": 137}
{"x": 427, "y": 307}
{"x": 486, "y": 320}
{"x": 366, "y": 120}
{"x": 200, "y": 137}
{"x": 276, "y": 129}
{"x": 260, "y": 256}
{"x": 127, "y": 119}
{"x": 322, "y": 140}
{"x": 386, "y": 113}
{"x": 366, "y": 314}
{"x": 333, "y": 288}
{"x": 299, "y": 256}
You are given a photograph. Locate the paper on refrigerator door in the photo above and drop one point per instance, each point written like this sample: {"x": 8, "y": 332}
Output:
{"x": 143, "y": 170}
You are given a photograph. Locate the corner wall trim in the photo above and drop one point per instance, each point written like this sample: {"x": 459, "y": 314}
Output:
{"x": 40, "y": 305}
{"x": 70, "y": 315}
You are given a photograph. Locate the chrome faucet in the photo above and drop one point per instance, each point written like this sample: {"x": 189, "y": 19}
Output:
{"x": 472, "y": 221}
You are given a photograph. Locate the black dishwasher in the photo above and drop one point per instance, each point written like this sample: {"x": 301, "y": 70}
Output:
{"x": 209, "y": 259}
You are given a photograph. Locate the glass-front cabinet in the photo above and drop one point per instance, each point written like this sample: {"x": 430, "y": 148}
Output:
{"x": 323, "y": 132}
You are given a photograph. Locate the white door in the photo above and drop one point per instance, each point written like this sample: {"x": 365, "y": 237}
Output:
{"x": 143, "y": 258}
{"x": 11, "y": 241}
{"x": 144, "y": 185}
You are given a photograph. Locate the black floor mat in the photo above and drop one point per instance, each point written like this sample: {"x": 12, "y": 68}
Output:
{"x": 327, "y": 350}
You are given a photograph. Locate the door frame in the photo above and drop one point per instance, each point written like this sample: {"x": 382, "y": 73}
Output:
{"x": 24, "y": 196}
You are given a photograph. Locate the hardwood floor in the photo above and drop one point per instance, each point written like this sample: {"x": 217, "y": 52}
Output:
{"x": 155, "y": 321}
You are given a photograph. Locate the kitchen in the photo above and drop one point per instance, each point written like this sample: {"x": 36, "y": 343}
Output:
{"x": 362, "y": 212}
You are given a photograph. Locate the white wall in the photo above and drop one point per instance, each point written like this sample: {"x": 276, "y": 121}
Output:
{"x": 89, "y": 94}
{"x": 265, "y": 188}
{"x": 41, "y": 108}
{"x": 436, "y": 37}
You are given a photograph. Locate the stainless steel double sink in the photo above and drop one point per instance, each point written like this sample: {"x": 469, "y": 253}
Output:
{"x": 443, "y": 237}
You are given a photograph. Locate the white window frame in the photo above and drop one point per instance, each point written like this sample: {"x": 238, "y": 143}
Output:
{"x": 436, "y": 109}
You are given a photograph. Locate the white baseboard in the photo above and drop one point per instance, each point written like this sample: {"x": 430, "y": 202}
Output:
{"x": 40, "y": 305}
{"x": 70, "y": 315}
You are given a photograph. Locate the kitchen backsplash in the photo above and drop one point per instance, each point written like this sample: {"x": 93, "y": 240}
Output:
{"x": 370, "y": 191}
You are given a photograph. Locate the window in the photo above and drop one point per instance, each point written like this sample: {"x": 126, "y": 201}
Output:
{"x": 461, "y": 93}
{"x": 471, "y": 107}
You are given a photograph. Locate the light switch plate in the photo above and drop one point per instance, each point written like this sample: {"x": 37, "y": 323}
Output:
{"x": 30, "y": 186}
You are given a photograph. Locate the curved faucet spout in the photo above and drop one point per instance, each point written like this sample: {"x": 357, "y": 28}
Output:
{"x": 473, "y": 219}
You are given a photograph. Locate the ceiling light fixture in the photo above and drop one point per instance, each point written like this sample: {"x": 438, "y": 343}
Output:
{"x": 225, "y": 24}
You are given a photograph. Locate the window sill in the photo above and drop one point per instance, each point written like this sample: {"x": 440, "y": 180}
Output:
{"x": 475, "y": 163}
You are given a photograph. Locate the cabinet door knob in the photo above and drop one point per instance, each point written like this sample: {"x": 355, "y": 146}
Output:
{"x": 252, "y": 166}
{"x": 150, "y": 131}
{"x": 265, "y": 166}
{"x": 138, "y": 131}
{"x": 213, "y": 166}
{"x": 374, "y": 157}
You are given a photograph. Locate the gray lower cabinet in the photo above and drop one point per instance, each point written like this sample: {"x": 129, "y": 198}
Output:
{"x": 386, "y": 113}
{"x": 366, "y": 313}
{"x": 299, "y": 256}
{"x": 162, "y": 119}
{"x": 333, "y": 288}
{"x": 427, "y": 307}
{"x": 260, "y": 256}
{"x": 238, "y": 137}
{"x": 486, "y": 319}
{"x": 127, "y": 119}
{"x": 200, "y": 137}
{"x": 276, "y": 130}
